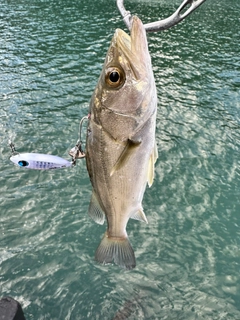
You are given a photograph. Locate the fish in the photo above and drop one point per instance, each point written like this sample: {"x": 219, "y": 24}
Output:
{"x": 39, "y": 161}
{"x": 120, "y": 142}
{"x": 129, "y": 307}
{"x": 125, "y": 312}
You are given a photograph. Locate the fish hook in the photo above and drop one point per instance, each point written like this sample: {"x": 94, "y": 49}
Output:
{"x": 77, "y": 151}
{"x": 164, "y": 24}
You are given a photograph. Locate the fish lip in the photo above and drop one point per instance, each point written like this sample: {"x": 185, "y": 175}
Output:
{"x": 137, "y": 34}
{"x": 133, "y": 48}
{"x": 122, "y": 40}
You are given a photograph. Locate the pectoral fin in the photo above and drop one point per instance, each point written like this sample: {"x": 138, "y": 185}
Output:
{"x": 152, "y": 160}
{"x": 125, "y": 155}
{"x": 95, "y": 211}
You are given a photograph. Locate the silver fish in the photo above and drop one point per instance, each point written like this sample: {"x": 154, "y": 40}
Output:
{"x": 120, "y": 146}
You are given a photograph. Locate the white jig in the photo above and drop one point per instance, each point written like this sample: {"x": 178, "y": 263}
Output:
{"x": 39, "y": 161}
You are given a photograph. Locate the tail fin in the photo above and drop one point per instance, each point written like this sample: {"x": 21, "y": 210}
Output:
{"x": 117, "y": 249}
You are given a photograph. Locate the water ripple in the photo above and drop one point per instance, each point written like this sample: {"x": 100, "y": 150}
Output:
{"x": 188, "y": 255}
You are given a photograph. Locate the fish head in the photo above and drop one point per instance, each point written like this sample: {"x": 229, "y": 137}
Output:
{"x": 126, "y": 86}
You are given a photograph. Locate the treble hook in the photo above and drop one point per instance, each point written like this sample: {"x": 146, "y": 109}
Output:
{"x": 77, "y": 151}
{"x": 164, "y": 24}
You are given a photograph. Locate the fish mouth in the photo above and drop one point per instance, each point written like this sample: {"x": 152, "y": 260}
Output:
{"x": 132, "y": 50}
{"x": 122, "y": 40}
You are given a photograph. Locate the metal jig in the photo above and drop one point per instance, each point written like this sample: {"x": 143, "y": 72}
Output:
{"x": 37, "y": 161}
{"x": 164, "y": 24}
{"x": 77, "y": 151}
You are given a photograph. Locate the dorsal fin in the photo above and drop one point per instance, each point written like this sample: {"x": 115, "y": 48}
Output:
{"x": 152, "y": 160}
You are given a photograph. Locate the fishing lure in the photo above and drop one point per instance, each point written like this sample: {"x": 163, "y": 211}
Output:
{"x": 39, "y": 161}
{"x": 42, "y": 161}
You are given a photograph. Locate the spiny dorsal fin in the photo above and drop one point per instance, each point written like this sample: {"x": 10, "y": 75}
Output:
{"x": 125, "y": 155}
{"x": 139, "y": 215}
{"x": 152, "y": 160}
{"x": 95, "y": 211}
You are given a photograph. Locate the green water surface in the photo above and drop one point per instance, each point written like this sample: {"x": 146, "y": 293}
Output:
{"x": 188, "y": 256}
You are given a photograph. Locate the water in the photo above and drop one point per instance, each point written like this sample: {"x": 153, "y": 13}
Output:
{"x": 188, "y": 256}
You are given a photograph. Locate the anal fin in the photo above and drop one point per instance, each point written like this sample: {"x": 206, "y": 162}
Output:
{"x": 139, "y": 215}
{"x": 95, "y": 211}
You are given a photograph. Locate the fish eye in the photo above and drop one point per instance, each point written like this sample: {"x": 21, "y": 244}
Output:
{"x": 114, "y": 77}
